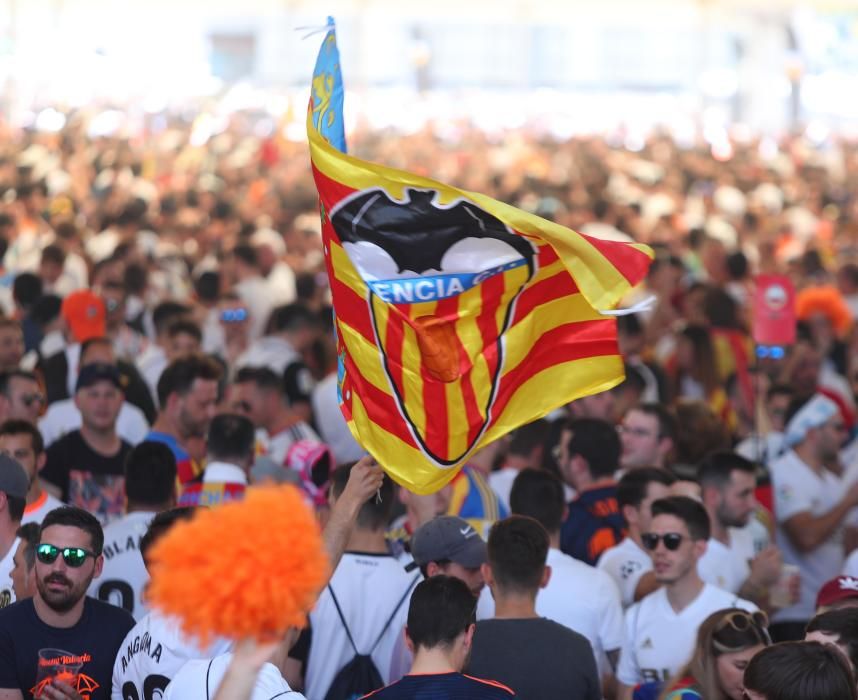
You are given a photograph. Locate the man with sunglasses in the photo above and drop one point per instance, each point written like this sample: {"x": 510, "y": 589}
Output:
{"x": 60, "y": 623}
{"x": 661, "y": 629}
{"x": 21, "y": 397}
{"x": 811, "y": 506}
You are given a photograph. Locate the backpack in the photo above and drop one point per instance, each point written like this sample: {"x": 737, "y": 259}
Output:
{"x": 360, "y": 676}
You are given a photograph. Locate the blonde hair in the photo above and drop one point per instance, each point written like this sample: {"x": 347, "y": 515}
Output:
{"x": 720, "y": 633}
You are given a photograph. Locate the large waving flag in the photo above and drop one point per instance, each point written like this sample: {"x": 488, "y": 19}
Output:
{"x": 458, "y": 317}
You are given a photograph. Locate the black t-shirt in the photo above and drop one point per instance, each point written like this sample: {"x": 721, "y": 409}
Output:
{"x": 443, "y": 686}
{"x": 88, "y": 480}
{"x": 92, "y": 643}
{"x": 538, "y": 658}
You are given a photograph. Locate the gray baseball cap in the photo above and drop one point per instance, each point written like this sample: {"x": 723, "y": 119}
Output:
{"x": 448, "y": 537}
{"x": 13, "y": 478}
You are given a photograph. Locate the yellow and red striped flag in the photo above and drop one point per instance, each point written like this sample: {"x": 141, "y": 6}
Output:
{"x": 458, "y": 317}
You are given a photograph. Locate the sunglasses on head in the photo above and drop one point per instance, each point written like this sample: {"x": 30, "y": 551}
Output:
{"x": 741, "y": 621}
{"x": 72, "y": 556}
{"x": 671, "y": 540}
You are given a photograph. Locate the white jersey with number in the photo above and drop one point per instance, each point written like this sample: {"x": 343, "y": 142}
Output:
{"x": 626, "y": 563}
{"x": 728, "y": 567}
{"x": 799, "y": 489}
{"x": 124, "y": 578}
{"x": 152, "y": 654}
{"x": 200, "y": 680}
{"x": 7, "y": 563}
{"x": 368, "y": 588}
{"x": 659, "y": 641}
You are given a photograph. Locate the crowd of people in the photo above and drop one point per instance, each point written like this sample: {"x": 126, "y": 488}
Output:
{"x": 166, "y": 344}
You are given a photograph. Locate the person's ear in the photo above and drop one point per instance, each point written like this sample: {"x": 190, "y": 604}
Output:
{"x": 546, "y": 576}
{"x": 630, "y": 514}
{"x": 469, "y": 636}
{"x": 432, "y": 569}
{"x": 41, "y": 461}
{"x": 665, "y": 446}
{"x": 700, "y": 548}
{"x": 409, "y": 643}
{"x": 99, "y": 566}
{"x": 488, "y": 577}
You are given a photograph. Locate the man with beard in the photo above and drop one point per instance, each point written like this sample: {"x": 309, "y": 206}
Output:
{"x": 727, "y": 481}
{"x": 187, "y": 394}
{"x": 61, "y": 644}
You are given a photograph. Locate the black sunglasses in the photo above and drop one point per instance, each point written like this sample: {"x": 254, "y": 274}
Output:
{"x": 72, "y": 556}
{"x": 671, "y": 540}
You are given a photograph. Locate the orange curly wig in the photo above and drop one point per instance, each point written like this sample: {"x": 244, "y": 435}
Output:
{"x": 246, "y": 569}
{"x": 826, "y": 301}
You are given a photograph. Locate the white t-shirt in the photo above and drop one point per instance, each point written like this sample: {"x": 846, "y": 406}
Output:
{"x": 277, "y": 447}
{"x": 200, "y": 679}
{"x": 368, "y": 588}
{"x": 124, "y": 577}
{"x": 63, "y": 416}
{"x": 625, "y": 563}
{"x": 36, "y": 512}
{"x": 152, "y": 653}
{"x": 728, "y": 567}
{"x": 799, "y": 489}
{"x": 580, "y": 597}
{"x": 331, "y": 423}
{"x": 7, "y": 594}
{"x": 659, "y": 641}
{"x": 501, "y": 483}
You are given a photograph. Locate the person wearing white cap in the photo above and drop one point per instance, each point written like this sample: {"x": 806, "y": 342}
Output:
{"x": 810, "y": 506}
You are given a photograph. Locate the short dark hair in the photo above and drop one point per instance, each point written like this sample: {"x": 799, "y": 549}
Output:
{"x": 800, "y": 671}
{"x": 71, "y": 516}
{"x": 844, "y": 624}
{"x": 26, "y": 288}
{"x": 29, "y": 535}
{"x": 441, "y": 609}
{"x": 150, "y": 474}
{"x": 666, "y": 420}
{"x": 207, "y": 285}
{"x": 795, "y": 405}
{"x": 598, "y": 443}
{"x": 261, "y": 377}
{"x": 53, "y": 253}
{"x": 246, "y": 254}
{"x": 538, "y": 494}
{"x": 185, "y": 326}
{"x": 716, "y": 468}
{"x": 689, "y": 511}
{"x": 165, "y": 312}
{"x": 231, "y": 438}
{"x": 376, "y": 512}
{"x": 181, "y": 374}
{"x": 528, "y": 437}
{"x": 779, "y": 390}
{"x": 632, "y": 487}
{"x": 160, "y": 526}
{"x": 15, "y": 426}
{"x": 291, "y": 317}
{"x": 7, "y": 377}
{"x": 45, "y": 309}
{"x": 518, "y": 548}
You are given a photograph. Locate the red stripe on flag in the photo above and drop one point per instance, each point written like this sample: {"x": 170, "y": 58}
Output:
{"x": 393, "y": 348}
{"x": 351, "y": 309}
{"x": 380, "y": 407}
{"x": 571, "y": 341}
{"x": 547, "y": 256}
{"x": 630, "y": 262}
{"x": 554, "y": 287}
{"x": 435, "y": 394}
{"x": 491, "y": 292}
{"x": 330, "y": 191}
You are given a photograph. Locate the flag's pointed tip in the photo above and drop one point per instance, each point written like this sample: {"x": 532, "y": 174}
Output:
{"x": 331, "y": 22}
